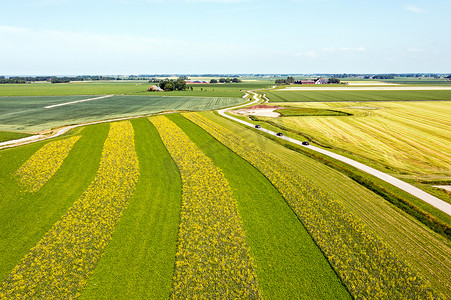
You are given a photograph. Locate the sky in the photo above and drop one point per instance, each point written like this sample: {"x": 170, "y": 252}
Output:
{"x": 96, "y": 37}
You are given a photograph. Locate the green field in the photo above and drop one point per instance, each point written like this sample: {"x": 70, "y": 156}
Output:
{"x": 406, "y": 236}
{"x": 11, "y": 135}
{"x": 139, "y": 259}
{"x": 335, "y": 96}
{"x": 300, "y": 243}
{"x": 283, "y": 250}
{"x": 127, "y": 88}
{"x": 28, "y": 114}
{"x": 302, "y": 111}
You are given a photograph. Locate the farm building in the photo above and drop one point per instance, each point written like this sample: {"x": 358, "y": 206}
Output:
{"x": 312, "y": 81}
{"x": 198, "y": 82}
{"x": 155, "y": 88}
{"x": 305, "y": 82}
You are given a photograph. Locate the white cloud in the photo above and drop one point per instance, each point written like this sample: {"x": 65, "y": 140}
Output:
{"x": 415, "y": 9}
{"x": 310, "y": 54}
{"x": 332, "y": 50}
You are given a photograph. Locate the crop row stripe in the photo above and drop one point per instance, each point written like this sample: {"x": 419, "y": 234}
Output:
{"x": 42, "y": 165}
{"x": 60, "y": 264}
{"x": 366, "y": 266}
{"x": 213, "y": 259}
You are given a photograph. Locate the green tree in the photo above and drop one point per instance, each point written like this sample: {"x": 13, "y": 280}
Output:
{"x": 333, "y": 80}
{"x": 168, "y": 87}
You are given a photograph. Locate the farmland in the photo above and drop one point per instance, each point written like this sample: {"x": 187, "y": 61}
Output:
{"x": 206, "y": 207}
{"x": 335, "y": 96}
{"x": 126, "y": 88}
{"x": 142, "y": 236}
{"x": 407, "y": 138}
{"x": 11, "y": 135}
{"x": 29, "y": 114}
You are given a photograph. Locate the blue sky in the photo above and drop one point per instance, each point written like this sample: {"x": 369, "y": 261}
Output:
{"x": 70, "y": 37}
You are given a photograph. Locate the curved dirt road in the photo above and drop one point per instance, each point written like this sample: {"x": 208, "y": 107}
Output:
{"x": 426, "y": 197}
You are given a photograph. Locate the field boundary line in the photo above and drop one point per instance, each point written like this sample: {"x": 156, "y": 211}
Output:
{"x": 380, "y": 88}
{"x": 426, "y": 197}
{"x": 78, "y": 101}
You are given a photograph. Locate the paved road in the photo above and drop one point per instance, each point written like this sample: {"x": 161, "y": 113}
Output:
{"x": 434, "y": 201}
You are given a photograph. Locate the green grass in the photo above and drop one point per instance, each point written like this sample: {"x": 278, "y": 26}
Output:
{"x": 26, "y": 217}
{"x": 289, "y": 264}
{"x": 28, "y": 114}
{"x": 423, "y": 249}
{"x": 335, "y": 96}
{"x": 300, "y": 111}
{"x": 10, "y": 135}
{"x": 126, "y": 88}
{"x": 139, "y": 261}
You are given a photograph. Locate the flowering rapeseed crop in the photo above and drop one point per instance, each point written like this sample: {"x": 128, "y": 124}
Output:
{"x": 366, "y": 266}
{"x": 213, "y": 259}
{"x": 60, "y": 264}
{"x": 42, "y": 165}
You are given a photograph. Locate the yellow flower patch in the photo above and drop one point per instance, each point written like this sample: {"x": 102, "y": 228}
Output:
{"x": 213, "y": 259}
{"x": 60, "y": 264}
{"x": 42, "y": 165}
{"x": 366, "y": 266}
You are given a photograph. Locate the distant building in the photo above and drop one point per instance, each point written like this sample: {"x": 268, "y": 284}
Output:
{"x": 198, "y": 82}
{"x": 321, "y": 81}
{"x": 305, "y": 82}
{"x": 155, "y": 88}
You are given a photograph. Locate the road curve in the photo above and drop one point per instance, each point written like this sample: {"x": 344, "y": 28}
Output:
{"x": 426, "y": 197}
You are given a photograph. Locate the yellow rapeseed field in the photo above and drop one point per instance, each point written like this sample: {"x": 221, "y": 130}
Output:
{"x": 60, "y": 264}
{"x": 42, "y": 165}
{"x": 213, "y": 259}
{"x": 365, "y": 264}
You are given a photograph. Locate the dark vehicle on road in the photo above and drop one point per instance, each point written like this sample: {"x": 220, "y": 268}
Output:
{"x": 305, "y": 143}
{"x": 258, "y": 126}
{"x": 279, "y": 134}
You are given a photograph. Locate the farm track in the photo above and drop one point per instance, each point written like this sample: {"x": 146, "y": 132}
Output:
{"x": 426, "y": 197}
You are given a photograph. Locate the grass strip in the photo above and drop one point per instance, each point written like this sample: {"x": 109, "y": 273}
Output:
{"x": 292, "y": 112}
{"x": 365, "y": 264}
{"x": 346, "y": 95}
{"x": 213, "y": 259}
{"x": 59, "y": 265}
{"x": 139, "y": 261}
{"x": 26, "y": 217}
{"x": 42, "y": 165}
{"x": 289, "y": 264}
{"x": 10, "y": 135}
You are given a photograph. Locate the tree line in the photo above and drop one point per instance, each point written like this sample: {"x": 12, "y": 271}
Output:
{"x": 53, "y": 79}
{"x": 173, "y": 85}
{"x": 289, "y": 80}
{"x": 226, "y": 80}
